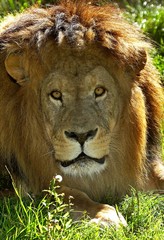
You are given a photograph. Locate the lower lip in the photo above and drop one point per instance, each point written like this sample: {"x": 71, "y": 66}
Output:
{"x": 69, "y": 163}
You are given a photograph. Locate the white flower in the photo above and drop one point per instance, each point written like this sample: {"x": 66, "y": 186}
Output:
{"x": 58, "y": 178}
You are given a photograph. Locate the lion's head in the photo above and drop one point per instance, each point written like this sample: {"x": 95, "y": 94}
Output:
{"x": 78, "y": 98}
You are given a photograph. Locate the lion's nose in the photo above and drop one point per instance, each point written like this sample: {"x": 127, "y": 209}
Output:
{"x": 81, "y": 137}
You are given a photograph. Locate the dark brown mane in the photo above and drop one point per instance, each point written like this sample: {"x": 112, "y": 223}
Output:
{"x": 76, "y": 22}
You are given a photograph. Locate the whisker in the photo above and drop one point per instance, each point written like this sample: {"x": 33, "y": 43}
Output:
{"x": 49, "y": 153}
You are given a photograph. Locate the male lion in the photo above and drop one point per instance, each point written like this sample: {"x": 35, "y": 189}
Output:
{"x": 79, "y": 98}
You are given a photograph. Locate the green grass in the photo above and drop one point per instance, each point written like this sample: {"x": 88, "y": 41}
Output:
{"x": 149, "y": 16}
{"x": 8, "y": 6}
{"x": 45, "y": 219}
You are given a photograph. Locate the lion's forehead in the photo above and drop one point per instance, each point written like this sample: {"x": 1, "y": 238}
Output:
{"x": 84, "y": 77}
{"x": 81, "y": 72}
{"x": 74, "y": 65}
{"x": 72, "y": 60}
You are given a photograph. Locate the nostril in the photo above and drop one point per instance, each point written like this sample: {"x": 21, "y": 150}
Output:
{"x": 92, "y": 133}
{"x": 81, "y": 137}
{"x": 72, "y": 135}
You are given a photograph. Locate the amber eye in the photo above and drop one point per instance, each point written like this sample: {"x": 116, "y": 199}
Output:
{"x": 100, "y": 91}
{"x": 57, "y": 95}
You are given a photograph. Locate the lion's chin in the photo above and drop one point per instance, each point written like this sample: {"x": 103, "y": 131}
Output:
{"x": 82, "y": 159}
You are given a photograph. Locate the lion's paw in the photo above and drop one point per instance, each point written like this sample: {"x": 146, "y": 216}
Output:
{"x": 108, "y": 216}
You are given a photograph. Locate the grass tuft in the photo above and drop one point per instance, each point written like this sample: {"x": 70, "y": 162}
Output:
{"x": 49, "y": 218}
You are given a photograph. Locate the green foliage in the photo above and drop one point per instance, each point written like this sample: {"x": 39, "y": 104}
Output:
{"x": 49, "y": 218}
{"x": 159, "y": 63}
{"x": 8, "y": 6}
{"x": 149, "y": 15}
{"x": 34, "y": 219}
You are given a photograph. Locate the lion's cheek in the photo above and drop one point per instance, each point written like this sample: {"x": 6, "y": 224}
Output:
{"x": 96, "y": 149}
{"x": 66, "y": 151}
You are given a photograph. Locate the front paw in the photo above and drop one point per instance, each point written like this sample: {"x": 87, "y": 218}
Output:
{"x": 108, "y": 216}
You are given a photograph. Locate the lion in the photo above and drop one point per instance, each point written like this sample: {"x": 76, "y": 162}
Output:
{"x": 80, "y": 98}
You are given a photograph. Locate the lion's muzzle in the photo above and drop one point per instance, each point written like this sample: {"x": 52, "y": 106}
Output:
{"x": 84, "y": 156}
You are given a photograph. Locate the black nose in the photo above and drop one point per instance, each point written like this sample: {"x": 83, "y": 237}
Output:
{"x": 81, "y": 137}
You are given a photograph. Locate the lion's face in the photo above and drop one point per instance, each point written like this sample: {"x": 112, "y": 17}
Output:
{"x": 80, "y": 104}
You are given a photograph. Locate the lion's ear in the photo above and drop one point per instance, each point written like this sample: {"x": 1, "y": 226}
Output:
{"x": 14, "y": 67}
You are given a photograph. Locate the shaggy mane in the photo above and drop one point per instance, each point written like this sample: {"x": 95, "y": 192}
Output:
{"x": 78, "y": 24}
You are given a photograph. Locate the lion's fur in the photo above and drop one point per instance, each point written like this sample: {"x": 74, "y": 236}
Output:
{"x": 39, "y": 35}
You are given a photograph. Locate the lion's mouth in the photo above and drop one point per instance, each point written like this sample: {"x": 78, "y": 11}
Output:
{"x": 82, "y": 157}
